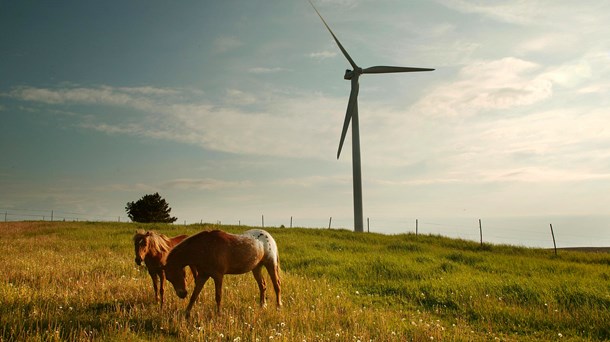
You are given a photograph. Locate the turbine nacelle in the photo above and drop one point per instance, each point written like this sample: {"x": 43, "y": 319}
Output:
{"x": 349, "y": 74}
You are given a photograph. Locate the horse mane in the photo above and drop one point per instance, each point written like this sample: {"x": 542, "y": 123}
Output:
{"x": 156, "y": 242}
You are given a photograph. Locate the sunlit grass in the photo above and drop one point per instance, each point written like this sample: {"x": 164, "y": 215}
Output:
{"x": 78, "y": 281}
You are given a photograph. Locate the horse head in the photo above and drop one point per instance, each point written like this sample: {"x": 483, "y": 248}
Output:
{"x": 140, "y": 241}
{"x": 176, "y": 275}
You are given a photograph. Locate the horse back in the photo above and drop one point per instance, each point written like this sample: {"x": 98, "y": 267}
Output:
{"x": 177, "y": 239}
{"x": 215, "y": 252}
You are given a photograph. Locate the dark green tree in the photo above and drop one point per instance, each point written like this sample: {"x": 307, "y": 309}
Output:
{"x": 150, "y": 208}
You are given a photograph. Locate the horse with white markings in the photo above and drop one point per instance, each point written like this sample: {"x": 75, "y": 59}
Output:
{"x": 212, "y": 254}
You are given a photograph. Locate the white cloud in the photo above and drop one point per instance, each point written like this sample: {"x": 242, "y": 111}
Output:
{"x": 487, "y": 85}
{"x": 281, "y": 126}
{"x": 226, "y": 43}
{"x": 570, "y": 75}
{"x": 261, "y": 70}
{"x": 517, "y": 12}
{"x": 204, "y": 184}
{"x": 142, "y": 98}
{"x": 551, "y": 13}
{"x": 238, "y": 97}
{"x": 322, "y": 55}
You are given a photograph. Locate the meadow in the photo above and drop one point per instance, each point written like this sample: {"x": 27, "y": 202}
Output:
{"x": 78, "y": 282}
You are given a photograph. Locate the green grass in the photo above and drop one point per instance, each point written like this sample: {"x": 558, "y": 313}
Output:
{"x": 78, "y": 281}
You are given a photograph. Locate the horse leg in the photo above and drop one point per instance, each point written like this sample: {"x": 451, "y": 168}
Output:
{"x": 193, "y": 271}
{"x": 258, "y": 276}
{"x": 218, "y": 290}
{"x": 153, "y": 276}
{"x": 274, "y": 273}
{"x": 199, "y": 282}
{"x": 161, "y": 283}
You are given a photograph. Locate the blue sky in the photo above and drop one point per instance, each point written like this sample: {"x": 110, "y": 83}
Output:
{"x": 233, "y": 109}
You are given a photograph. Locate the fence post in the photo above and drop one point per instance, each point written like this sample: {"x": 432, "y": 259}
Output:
{"x": 481, "y": 232}
{"x": 368, "y": 227}
{"x": 416, "y": 226}
{"x": 263, "y": 220}
{"x": 5, "y": 215}
{"x": 330, "y": 221}
{"x": 51, "y": 215}
{"x": 553, "y": 235}
{"x": 290, "y": 221}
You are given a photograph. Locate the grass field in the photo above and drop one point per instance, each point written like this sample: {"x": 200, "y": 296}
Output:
{"x": 78, "y": 281}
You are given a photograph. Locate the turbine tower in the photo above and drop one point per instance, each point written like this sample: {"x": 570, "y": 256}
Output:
{"x": 352, "y": 115}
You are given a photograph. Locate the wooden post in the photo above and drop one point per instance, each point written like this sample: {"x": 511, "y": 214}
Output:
{"x": 51, "y": 215}
{"x": 416, "y": 227}
{"x": 553, "y": 235}
{"x": 290, "y": 221}
{"x": 481, "y": 232}
{"x": 185, "y": 222}
{"x": 368, "y": 227}
{"x": 263, "y": 220}
{"x": 5, "y": 215}
{"x": 330, "y": 221}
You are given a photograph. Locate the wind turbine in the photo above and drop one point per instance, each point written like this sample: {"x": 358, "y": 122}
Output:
{"x": 352, "y": 115}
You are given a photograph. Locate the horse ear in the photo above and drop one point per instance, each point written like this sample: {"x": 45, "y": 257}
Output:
{"x": 148, "y": 233}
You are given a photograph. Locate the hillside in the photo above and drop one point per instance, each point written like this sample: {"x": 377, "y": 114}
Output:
{"x": 78, "y": 281}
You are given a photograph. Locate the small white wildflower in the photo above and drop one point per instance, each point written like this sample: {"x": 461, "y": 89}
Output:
{"x": 237, "y": 339}
{"x": 560, "y": 335}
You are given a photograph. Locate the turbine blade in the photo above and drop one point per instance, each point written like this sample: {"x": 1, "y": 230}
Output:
{"x": 349, "y": 59}
{"x": 389, "y": 69}
{"x": 351, "y": 107}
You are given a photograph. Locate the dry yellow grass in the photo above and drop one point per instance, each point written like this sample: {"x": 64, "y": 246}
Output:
{"x": 78, "y": 282}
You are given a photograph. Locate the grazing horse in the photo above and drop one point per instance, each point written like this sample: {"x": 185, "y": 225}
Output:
{"x": 152, "y": 248}
{"x": 215, "y": 253}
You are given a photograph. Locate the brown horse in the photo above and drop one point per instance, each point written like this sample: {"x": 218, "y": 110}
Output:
{"x": 215, "y": 253}
{"x": 152, "y": 248}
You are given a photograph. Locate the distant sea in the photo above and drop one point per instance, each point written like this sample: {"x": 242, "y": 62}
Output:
{"x": 570, "y": 231}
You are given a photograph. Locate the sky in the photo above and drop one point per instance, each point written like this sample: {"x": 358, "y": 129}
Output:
{"x": 232, "y": 110}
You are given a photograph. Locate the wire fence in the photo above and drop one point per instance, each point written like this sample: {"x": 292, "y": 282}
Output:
{"x": 55, "y": 215}
{"x": 526, "y": 233}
